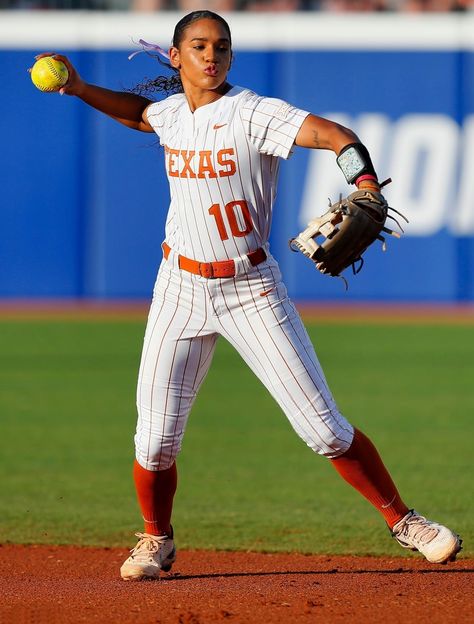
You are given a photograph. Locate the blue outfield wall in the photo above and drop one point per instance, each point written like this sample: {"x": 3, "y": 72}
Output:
{"x": 84, "y": 199}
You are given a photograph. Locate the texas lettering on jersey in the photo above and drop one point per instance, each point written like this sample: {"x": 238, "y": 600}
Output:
{"x": 222, "y": 164}
{"x": 200, "y": 164}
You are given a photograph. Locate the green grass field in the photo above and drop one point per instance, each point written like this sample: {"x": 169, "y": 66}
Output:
{"x": 67, "y": 413}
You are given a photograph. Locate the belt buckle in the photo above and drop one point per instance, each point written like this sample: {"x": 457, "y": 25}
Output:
{"x": 206, "y": 270}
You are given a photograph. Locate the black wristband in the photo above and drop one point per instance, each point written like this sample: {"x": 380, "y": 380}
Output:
{"x": 354, "y": 161}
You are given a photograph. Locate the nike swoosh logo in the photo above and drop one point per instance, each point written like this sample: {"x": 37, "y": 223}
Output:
{"x": 267, "y": 292}
{"x": 390, "y": 503}
{"x": 217, "y": 126}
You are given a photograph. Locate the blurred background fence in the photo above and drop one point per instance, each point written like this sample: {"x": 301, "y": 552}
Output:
{"x": 84, "y": 199}
{"x": 274, "y": 6}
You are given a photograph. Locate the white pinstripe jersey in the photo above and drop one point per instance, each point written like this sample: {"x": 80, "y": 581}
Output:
{"x": 222, "y": 162}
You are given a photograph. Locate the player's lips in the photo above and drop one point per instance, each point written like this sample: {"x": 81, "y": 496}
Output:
{"x": 211, "y": 70}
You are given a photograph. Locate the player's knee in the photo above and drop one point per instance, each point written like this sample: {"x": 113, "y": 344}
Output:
{"x": 159, "y": 433}
{"x": 157, "y": 444}
{"x": 158, "y": 453}
{"x": 337, "y": 446}
{"x": 152, "y": 463}
{"x": 331, "y": 443}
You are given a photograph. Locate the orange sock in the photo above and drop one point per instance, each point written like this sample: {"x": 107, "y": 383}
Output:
{"x": 155, "y": 493}
{"x": 362, "y": 467}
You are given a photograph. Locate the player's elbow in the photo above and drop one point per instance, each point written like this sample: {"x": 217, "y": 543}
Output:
{"x": 320, "y": 133}
{"x": 141, "y": 126}
{"x": 341, "y": 136}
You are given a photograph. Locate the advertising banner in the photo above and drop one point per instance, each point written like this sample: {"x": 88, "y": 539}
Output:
{"x": 84, "y": 199}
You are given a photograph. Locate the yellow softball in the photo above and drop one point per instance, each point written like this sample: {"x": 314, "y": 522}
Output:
{"x": 48, "y": 74}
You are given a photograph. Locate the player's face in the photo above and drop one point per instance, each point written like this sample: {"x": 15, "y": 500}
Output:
{"x": 204, "y": 56}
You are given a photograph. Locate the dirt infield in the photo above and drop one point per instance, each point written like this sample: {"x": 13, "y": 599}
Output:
{"x": 50, "y": 584}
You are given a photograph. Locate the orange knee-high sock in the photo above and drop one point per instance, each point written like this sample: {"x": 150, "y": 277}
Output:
{"x": 362, "y": 467}
{"x": 155, "y": 493}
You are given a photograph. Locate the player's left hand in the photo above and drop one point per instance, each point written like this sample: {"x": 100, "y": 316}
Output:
{"x": 347, "y": 229}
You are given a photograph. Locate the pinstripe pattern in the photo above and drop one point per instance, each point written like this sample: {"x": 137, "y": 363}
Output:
{"x": 175, "y": 360}
{"x": 281, "y": 355}
{"x": 258, "y": 131}
{"x": 206, "y": 221}
{"x": 267, "y": 332}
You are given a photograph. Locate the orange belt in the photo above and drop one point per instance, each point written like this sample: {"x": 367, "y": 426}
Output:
{"x": 222, "y": 268}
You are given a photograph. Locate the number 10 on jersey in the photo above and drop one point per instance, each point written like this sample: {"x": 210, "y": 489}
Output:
{"x": 238, "y": 218}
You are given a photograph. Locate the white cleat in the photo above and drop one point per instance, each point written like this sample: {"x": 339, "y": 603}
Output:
{"x": 151, "y": 555}
{"x": 435, "y": 541}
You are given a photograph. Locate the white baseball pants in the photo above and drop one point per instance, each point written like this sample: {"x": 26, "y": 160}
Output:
{"x": 253, "y": 312}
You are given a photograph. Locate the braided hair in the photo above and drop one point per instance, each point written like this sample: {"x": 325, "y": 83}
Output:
{"x": 172, "y": 84}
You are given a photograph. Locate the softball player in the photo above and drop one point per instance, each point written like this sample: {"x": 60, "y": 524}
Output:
{"x": 222, "y": 149}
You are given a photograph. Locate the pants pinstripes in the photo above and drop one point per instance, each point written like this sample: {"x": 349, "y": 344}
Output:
{"x": 253, "y": 312}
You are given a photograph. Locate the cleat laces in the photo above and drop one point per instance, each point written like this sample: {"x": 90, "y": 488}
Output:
{"x": 417, "y": 528}
{"x": 147, "y": 545}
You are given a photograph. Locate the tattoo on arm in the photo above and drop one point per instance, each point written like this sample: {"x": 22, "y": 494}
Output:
{"x": 316, "y": 138}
